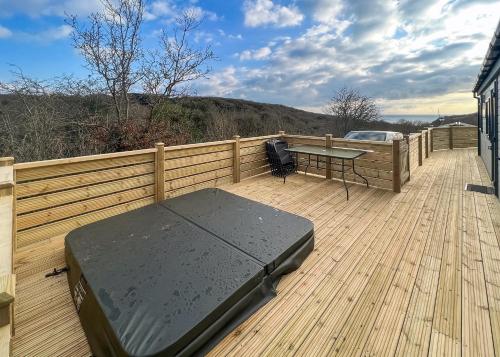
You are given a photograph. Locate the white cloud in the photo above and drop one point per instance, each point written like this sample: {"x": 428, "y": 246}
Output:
{"x": 159, "y": 9}
{"x": 230, "y": 36}
{"x": 37, "y": 8}
{"x": 56, "y": 33}
{"x": 201, "y": 14}
{"x": 409, "y": 64}
{"x": 221, "y": 84}
{"x": 46, "y": 36}
{"x": 325, "y": 11}
{"x": 5, "y": 32}
{"x": 169, "y": 9}
{"x": 265, "y": 12}
{"x": 259, "y": 54}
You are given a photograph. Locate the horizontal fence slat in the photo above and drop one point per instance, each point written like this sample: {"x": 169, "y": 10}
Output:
{"x": 174, "y": 153}
{"x": 254, "y": 172}
{"x": 254, "y": 157}
{"x": 72, "y": 181}
{"x": 81, "y": 159}
{"x": 36, "y": 234}
{"x": 59, "y": 198}
{"x": 252, "y": 150}
{"x": 195, "y": 179}
{"x": 253, "y": 165}
{"x": 199, "y": 159}
{"x": 205, "y": 184}
{"x": 82, "y": 207}
{"x": 171, "y": 174}
{"x": 50, "y": 171}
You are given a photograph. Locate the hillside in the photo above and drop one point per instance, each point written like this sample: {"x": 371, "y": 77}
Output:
{"x": 253, "y": 117}
{"x": 464, "y": 118}
{"x": 35, "y": 127}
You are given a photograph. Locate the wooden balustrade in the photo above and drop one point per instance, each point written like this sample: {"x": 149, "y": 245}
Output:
{"x": 453, "y": 137}
{"x": 55, "y": 196}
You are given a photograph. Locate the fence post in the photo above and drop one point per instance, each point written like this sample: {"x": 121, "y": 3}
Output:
{"x": 160, "y": 172}
{"x": 432, "y": 139}
{"x": 426, "y": 144}
{"x": 7, "y": 214}
{"x": 450, "y": 134}
{"x": 396, "y": 167}
{"x": 236, "y": 161}
{"x": 408, "y": 156}
{"x": 328, "y": 163}
{"x": 420, "y": 150}
{"x": 7, "y": 246}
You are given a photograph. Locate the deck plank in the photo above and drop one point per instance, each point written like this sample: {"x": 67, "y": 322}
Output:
{"x": 409, "y": 274}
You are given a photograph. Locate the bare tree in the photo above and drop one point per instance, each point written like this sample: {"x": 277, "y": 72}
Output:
{"x": 168, "y": 71}
{"x": 350, "y": 107}
{"x": 111, "y": 46}
{"x": 47, "y": 119}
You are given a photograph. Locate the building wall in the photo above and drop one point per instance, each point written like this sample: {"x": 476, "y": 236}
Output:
{"x": 486, "y": 144}
{"x": 498, "y": 139}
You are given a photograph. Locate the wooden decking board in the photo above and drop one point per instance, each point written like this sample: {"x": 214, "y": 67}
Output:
{"x": 334, "y": 295}
{"x": 383, "y": 337}
{"x": 343, "y": 338}
{"x": 474, "y": 294}
{"x": 490, "y": 254}
{"x": 308, "y": 284}
{"x": 446, "y": 330}
{"x": 414, "y": 273}
{"x": 416, "y": 331}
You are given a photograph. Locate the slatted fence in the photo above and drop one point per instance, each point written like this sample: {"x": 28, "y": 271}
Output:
{"x": 453, "y": 137}
{"x": 376, "y": 166}
{"x": 56, "y": 196}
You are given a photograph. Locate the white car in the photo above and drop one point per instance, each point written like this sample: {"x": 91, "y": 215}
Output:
{"x": 387, "y": 136}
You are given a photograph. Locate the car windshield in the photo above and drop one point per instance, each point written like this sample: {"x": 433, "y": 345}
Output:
{"x": 366, "y": 135}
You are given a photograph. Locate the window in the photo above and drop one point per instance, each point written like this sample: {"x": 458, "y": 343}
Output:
{"x": 492, "y": 115}
{"x": 487, "y": 116}
{"x": 483, "y": 114}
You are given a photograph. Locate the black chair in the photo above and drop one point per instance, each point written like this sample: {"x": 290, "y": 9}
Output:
{"x": 281, "y": 161}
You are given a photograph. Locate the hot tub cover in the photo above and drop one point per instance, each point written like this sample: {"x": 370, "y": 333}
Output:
{"x": 167, "y": 279}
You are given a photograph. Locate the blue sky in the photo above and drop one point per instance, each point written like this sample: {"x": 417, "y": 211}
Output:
{"x": 413, "y": 57}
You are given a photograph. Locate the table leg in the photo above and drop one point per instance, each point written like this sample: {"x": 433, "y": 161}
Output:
{"x": 354, "y": 170}
{"x": 343, "y": 179}
{"x": 308, "y": 164}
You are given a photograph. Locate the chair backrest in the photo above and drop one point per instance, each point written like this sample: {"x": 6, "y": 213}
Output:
{"x": 276, "y": 151}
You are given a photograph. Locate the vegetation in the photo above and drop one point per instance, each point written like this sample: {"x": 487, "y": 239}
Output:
{"x": 66, "y": 116}
{"x": 351, "y": 108}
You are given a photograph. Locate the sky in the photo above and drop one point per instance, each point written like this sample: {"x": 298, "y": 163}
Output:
{"x": 411, "y": 56}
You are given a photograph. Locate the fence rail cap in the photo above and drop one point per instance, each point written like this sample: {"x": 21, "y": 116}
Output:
{"x": 79, "y": 159}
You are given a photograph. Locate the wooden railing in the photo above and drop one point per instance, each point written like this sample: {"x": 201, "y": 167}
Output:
{"x": 56, "y": 196}
{"x": 376, "y": 166}
{"x": 7, "y": 236}
{"x": 53, "y": 197}
{"x": 453, "y": 137}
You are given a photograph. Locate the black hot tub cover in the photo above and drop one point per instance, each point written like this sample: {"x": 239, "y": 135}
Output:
{"x": 173, "y": 278}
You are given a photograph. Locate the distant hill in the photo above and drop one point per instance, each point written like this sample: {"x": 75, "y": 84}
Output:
{"x": 288, "y": 118}
{"x": 36, "y": 127}
{"x": 299, "y": 121}
{"x": 464, "y": 118}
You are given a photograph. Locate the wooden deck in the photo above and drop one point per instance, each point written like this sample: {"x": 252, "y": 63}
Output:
{"x": 415, "y": 273}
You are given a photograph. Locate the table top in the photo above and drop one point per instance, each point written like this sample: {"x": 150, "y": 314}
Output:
{"x": 338, "y": 153}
